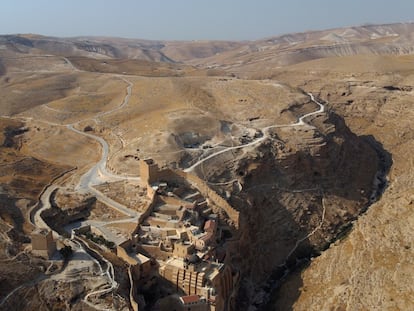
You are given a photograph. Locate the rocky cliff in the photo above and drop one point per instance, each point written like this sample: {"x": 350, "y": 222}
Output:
{"x": 372, "y": 268}
{"x": 300, "y": 189}
{"x": 67, "y": 207}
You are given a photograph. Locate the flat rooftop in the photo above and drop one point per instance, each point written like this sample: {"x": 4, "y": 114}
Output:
{"x": 136, "y": 259}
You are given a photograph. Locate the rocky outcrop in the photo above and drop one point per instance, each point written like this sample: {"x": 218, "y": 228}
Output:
{"x": 66, "y": 208}
{"x": 371, "y": 268}
{"x": 103, "y": 49}
{"x": 300, "y": 189}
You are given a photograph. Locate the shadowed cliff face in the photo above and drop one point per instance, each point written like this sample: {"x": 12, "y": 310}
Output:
{"x": 298, "y": 195}
{"x": 370, "y": 269}
{"x": 67, "y": 208}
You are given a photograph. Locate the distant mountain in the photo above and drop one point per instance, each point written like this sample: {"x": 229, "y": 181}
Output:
{"x": 101, "y": 47}
{"x": 395, "y": 39}
{"x": 247, "y": 55}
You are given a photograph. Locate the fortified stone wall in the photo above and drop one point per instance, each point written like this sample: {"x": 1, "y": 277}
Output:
{"x": 147, "y": 211}
{"x": 132, "y": 292}
{"x": 209, "y": 193}
{"x": 150, "y": 172}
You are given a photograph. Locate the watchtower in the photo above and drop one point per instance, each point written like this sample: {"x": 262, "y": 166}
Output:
{"x": 148, "y": 170}
{"x": 42, "y": 243}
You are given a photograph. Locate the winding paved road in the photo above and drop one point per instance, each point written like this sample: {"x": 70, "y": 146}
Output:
{"x": 266, "y": 134}
{"x": 98, "y": 174}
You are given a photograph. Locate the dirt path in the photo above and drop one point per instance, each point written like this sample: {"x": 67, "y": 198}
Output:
{"x": 266, "y": 134}
{"x": 95, "y": 176}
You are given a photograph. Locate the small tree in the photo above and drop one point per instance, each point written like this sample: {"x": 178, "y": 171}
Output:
{"x": 66, "y": 252}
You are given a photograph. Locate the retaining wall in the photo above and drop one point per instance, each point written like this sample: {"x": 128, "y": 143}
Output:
{"x": 209, "y": 193}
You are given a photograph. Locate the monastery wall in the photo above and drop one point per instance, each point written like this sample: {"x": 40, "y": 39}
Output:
{"x": 209, "y": 193}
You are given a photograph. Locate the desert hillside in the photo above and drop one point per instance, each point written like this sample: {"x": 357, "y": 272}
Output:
{"x": 273, "y": 174}
{"x": 275, "y": 51}
{"x": 371, "y": 268}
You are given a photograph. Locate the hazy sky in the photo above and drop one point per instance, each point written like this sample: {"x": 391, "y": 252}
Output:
{"x": 193, "y": 19}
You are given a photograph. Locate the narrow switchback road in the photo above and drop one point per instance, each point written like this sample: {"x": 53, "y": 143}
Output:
{"x": 266, "y": 134}
{"x": 95, "y": 176}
